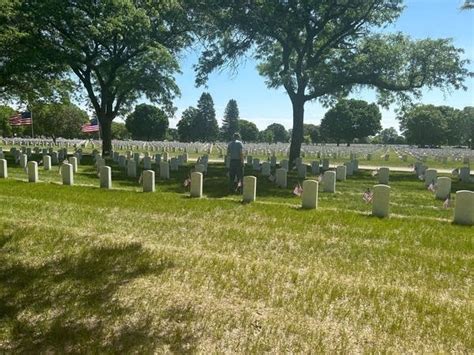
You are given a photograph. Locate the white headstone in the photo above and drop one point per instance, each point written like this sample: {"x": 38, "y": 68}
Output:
{"x": 325, "y": 164}
{"x": 249, "y": 188}
{"x": 430, "y": 176}
{"x": 32, "y": 171}
{"x": 147, "y": 163}
{"x": 349, "y": 168}
{"x": 384, "y": 175}
{"x": 132, "y": 168}
{"x": 281, "y": 178}
{"x": 23, "y": 160}
{"x": 67, "y": 174}
{"x": 381, "y": 201}
{"x": 105, "y": 177}
{"x": 148, "y": 181}
{"x": 174, "y": 164}
{"x": 465, "y": 174}
{"x": 164, "y": 170}
{"x": 3, "y": 169}
{"x": 46, "y": 162}
{"x": 443, "y": 188}
{"x": 266, "y": 169}
{"x": 302, "y": 169}
{"x": 310, "y": 194}
{"x": 329, "y": 181}
{"x": 73, "y": 162}
{"x": 341, "y": 173}
{"x": 256, "y": 164}
{"x": 196, "y": 184}
{"x": 464, "y": 208}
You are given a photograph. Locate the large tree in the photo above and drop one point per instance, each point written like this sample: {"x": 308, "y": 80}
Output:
{"x": 278, "y": 132}
{"x": 147, "y": 123}
{"x": 350, "y": 119}
{"x": 5, "y": 113}
{"x": 58, "y": 120}
{"x": 424, "y": 125}
{"x": 248, "y": 131}
{"x": 230, "y": 124}
{"x": 325, "y": 49}
{"x": 119, "y": 50}
{"x": 205, "y": 124}
{"x": 186, "y": 125}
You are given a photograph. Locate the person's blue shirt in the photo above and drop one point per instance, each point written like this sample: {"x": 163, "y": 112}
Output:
{"x": 235, "y": 150}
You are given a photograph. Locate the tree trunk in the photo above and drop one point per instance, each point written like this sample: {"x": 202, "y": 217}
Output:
{"x": 297, "y": 133}
{"x": 106, "y": 134}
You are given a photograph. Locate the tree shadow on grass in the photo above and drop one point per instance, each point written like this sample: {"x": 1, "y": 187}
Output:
{"x": 68, "y": 304}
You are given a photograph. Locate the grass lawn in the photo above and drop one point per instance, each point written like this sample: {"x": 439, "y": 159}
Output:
{"x": 89, "y": 270}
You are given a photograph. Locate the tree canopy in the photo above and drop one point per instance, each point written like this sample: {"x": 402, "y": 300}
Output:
{"x": 58, "y": 120}
{"x": 278, "y": 133}
{"x": 147, "y": 123}
{"x": 248, "y": 131}
{"x": 230, "y": 124}
{"x": 350, "y": 119}
{"x": 119, "y": 50}
{"x": 325, "y": 49}
{"x": 199, "y": 124}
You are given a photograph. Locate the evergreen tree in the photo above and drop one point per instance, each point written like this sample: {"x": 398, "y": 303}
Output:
{"x": 205, "y": 124}
{"x": 231, "y": 120}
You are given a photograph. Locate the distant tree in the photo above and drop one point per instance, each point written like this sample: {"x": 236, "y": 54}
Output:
{"x": 147, "y": 122}
{"x": 186, "y": 125}
{"x": 172, "y": 134}
{"x": 311, "y": 131}
{"x": 351, "y": 119}
{"x": 58, "y": 120}
{"x": 5, "y": 113}
{"x": 457, "y": 128}
{"x": 424, "y": 125}
{"x": 266, "y": 136}
{"x": 120, "y": 131}
{"x": 230, "y": 123}
{"x": 205, "y": 123}
{"x": 248, "y": 131}
{"x": 468, "y": 113}
{"x": 119, "y": 50}
{"x": 280, "y": 134}
{"x": 326, "y": 49}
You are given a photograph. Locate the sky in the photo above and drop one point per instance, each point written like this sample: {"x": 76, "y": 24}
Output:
{"x": 263, "y": 106}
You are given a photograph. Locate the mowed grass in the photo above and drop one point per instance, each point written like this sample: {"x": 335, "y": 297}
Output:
{"x": 89, "y": 270}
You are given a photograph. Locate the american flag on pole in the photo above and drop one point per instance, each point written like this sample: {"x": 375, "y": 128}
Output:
{"x": 298, "y": 190}
{"x": 21, "y": 119}
{"x": 368, "y": 196}
{"x": 91, "y": 127}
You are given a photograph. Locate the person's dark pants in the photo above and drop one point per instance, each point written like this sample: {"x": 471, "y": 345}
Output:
{"x": 236, "y": 168}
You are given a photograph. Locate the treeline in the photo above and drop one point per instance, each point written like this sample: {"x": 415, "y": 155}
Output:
{"x": 349, "y": 121}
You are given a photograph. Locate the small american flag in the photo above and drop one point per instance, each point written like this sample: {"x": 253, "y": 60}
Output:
{"x": 447, "y": 203}
{"x": 375, "y": 173}
{"x": 187, "y": 182}
{"x": 421, "y": 177}
{"x": 455, "y": 172}
{"x": 91, "y": 127}
{"x": 368, "y": 196}
{"x": 140, "y": 179}
{"x": 271, "y": 178}
{"x": 320, "y": 178}
{"x": 298, "y": 190}
{"x": 432, "y": 187}
{"x": 239, "y": 186}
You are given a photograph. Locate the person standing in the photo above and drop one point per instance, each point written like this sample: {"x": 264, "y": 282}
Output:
{"x": 235, "y": 152}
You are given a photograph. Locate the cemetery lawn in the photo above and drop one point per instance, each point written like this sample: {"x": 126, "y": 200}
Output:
{"x": 90, "y": 270}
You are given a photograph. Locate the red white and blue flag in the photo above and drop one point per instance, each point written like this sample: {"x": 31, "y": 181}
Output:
{"x": 21, "y": 119}
{"x": 91, "y": 127}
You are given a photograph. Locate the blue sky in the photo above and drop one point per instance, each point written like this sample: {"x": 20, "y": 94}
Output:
{"x": 263, "y": 106}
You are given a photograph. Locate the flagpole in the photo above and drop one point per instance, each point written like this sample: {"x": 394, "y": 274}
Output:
{"x": 32, "y": 129}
